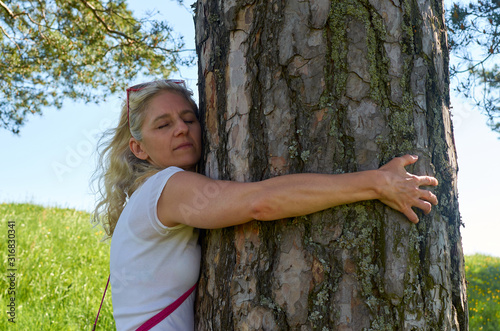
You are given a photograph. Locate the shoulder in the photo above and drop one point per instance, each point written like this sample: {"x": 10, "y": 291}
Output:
{"x": 143, "y": 203}
{"x": 164, "y": 174}
{"x": 159, "y": 179}
{"x": 152, "y": 187}
{"x": 185, "y": 189}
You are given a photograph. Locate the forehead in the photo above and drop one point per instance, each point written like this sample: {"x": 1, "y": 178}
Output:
{"x": 167, "y": 105}
{"x": 169, "y": 101}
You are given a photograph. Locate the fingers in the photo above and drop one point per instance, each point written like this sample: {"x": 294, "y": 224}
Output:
{"x": 423, "y": 180}
{"x": 427, "y": 181}
{"x": 410, "y": 214}
{"x": 428, "y": 196}
{"x": 408, "y": 159}
{"x": 424, "y": 206}
{"x": 425, "y": 202}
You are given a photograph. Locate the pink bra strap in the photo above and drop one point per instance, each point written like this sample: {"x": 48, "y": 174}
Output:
{"x": 166, "y": 311}
{"x": 156, "y": 318}
{"x": 102, "y": 300}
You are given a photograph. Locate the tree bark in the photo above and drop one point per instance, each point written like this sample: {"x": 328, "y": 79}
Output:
{"x": 330, "y": 87}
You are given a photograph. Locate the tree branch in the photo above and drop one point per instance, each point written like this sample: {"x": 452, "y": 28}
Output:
{"x": 4, "y": 6}
{"x": 7, "y": 35}
{"x": 99, "y": 18}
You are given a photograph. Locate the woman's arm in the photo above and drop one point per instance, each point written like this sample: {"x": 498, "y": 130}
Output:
{"x": 201, "y": 202}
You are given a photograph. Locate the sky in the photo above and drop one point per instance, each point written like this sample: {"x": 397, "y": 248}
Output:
{"x": 52, "y": 160}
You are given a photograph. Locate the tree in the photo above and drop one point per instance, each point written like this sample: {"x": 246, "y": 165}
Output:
{"x": 475, "y": 41}
{"x": 53, "y": 50}
{"x": 331, "y": 87}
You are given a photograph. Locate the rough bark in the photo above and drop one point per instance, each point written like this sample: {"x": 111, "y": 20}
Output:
{"x": 331, "y": 87}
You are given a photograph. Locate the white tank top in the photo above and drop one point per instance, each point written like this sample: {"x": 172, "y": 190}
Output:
{"x": 152, "y": 265}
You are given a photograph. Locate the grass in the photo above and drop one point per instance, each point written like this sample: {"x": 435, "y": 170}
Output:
{"x": 61, "y": 268}
{"x": 483, "y": 292}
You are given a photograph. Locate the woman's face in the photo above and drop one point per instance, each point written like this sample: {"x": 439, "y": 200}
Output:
{"x": 171, "y": 133}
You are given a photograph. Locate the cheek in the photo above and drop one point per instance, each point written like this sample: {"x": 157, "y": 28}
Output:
{"x": 158, "y": 145}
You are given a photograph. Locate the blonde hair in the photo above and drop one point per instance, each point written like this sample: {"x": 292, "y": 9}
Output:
{"x": 119, "y": 172}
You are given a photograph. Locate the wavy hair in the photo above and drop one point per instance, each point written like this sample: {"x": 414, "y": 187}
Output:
{"x": 119, "y": 172}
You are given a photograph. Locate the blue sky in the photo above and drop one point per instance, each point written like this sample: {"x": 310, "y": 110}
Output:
{"x": 51, "y": 162}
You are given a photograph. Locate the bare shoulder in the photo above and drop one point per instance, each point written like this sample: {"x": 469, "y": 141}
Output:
{"x": 176, "y": 188}
{"x": 187, "y": 196}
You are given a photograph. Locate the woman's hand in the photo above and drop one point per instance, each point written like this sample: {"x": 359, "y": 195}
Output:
{"x": 401, "y": 190}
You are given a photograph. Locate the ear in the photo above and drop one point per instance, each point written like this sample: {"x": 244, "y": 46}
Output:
{"x": 136, "y": 148}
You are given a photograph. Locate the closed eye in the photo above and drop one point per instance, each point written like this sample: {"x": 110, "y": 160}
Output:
{"x": 163, "y": 126}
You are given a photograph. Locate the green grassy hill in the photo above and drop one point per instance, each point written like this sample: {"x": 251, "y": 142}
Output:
{"x": 60, "y": 268}
{"x": 483, "y": 291}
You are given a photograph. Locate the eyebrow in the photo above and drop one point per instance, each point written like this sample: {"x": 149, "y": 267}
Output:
{"x": 167, "y": 116}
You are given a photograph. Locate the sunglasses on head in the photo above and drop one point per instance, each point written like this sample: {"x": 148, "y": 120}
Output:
{"x": 141, "y": 86}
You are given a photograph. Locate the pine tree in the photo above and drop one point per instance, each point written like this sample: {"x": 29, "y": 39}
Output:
{"x": 331, "y": 87}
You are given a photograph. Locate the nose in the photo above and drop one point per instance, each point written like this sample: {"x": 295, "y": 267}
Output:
{"x": 181, "y": 128}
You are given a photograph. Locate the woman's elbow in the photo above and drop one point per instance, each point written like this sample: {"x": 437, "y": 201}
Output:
{"x": 264, "y": 210}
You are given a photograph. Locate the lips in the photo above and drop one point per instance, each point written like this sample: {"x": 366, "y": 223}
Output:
{"x": 184, "y": 145}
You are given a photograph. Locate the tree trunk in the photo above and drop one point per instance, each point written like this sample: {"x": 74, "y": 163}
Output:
{"x": 330, "y": 87}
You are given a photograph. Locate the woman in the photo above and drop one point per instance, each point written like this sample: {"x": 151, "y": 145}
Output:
{"x": 150, "y": 203}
